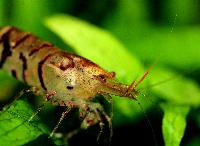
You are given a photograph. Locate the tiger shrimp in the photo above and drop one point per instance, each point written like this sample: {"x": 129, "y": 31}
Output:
{"x": 60, "y": 77}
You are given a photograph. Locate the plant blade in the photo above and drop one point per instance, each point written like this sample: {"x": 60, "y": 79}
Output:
{"x": 174, "y": 123}
{"x": 14, "y": 126}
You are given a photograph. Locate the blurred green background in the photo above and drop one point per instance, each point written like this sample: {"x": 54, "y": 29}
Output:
{"x": 162, "y": 33}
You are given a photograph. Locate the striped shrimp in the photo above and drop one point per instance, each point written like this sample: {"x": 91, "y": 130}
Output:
{"x": 60, "y": 77}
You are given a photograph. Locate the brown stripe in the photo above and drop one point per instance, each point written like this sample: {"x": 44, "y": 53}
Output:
{"x": 40, "y": 72}
{"x": 39, "y": 48}
{"x": 24, "y": 62}
{"x": 6, "y": 47}
{"x": 14, "y": 73}
{"x": 9, "y": 29}
{"x": 20, "y": 40}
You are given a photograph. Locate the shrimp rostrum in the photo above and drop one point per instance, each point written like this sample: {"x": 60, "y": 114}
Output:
{"x": 61, "y": 77}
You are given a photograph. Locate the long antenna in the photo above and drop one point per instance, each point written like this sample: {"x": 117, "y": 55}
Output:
{"x": 149, "y": 122}
{"x": 147, "y": 72}
{"x": 144, "y": 76}
{"x": 170, "y": 78}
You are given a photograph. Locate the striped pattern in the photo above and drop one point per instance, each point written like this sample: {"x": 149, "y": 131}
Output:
{"x": 27, "y": 58}
{"x": 23, "y": 55}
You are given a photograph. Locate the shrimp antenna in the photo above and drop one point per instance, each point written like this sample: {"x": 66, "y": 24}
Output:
{"x": 149, "y": 122}
{"x": 132, "y": 88}
{"x": 147, "y": 72}
{"x": 144, "y": 76}
{"x": 170, "y": 78}
{"x": 135, "y": 84}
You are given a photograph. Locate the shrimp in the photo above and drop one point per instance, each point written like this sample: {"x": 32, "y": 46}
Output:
{"x": 60, "y": 77}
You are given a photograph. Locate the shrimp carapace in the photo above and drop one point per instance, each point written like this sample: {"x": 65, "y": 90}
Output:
{"x": 61, "y": 77}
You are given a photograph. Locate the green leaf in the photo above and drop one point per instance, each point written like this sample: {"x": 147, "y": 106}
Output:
{"x": 177, "y": 90}
{"x": 14, "y": 126}
{"x": 95, "y": 44}
{"x": 179, "y": 48}
{"x": 175, "y": 42}
{"x": 2, "y": 12}
{"x": 104, "y": 49}
{"x": 174, "y": 123}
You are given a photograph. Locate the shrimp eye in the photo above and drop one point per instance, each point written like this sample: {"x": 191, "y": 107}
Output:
{"x": 102, "y": 77}
{"x": 70, "y": 87}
